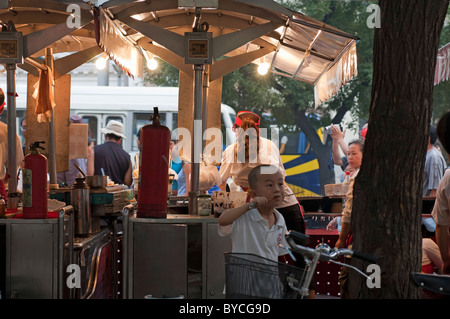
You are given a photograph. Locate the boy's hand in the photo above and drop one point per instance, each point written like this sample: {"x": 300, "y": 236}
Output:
{"x": 259, "y": 201}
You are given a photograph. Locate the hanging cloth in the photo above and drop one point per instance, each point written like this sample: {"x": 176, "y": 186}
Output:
{"x": 340, "y": 73}
{"x": 43, "y": 93}
{"x": 442, "y": 71}
{"x": 118, "y": 47}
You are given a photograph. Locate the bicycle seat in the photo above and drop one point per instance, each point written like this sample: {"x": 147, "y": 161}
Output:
{"x": 439, "y": 284}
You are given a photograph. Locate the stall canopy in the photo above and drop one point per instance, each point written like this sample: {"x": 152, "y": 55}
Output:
{"x": 254, "y": 31}
{"x": 442, "y": 72}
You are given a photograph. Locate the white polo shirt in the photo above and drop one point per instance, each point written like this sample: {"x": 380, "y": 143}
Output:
{"x": 250, "y": 234}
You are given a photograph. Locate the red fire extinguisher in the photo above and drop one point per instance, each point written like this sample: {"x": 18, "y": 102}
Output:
{"x": 153, "y": 169}
{"x": 34, "y": 197}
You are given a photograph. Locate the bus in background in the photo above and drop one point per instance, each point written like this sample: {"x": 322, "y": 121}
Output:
{"x": 132, "y": 106}
{"x": 301, "y": 165}
{"x": 299, "y": 161}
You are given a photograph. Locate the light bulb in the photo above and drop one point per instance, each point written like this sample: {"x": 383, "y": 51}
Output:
{"x": 152, "y": 64}
{"x": 100, "y": 63}
{"x": 263, "y": 68}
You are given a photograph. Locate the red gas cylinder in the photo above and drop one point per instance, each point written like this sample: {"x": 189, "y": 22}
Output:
{"x": 34, "y": 195}
{"x": 153, "y": 169}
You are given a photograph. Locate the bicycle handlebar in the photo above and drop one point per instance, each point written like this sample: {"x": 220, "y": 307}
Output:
{"x": 299, "y": 237}
{"x": 326, "y": 252}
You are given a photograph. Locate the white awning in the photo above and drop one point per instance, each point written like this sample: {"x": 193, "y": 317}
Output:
{"x": 442, "y": 72}
{"x": 299, "y": 47}
{"x": 244, "y": 31}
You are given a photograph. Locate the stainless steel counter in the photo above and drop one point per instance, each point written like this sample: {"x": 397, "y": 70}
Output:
{"x": 161, "y": 256}
{"x": 35, "y": 252}
{"x": 179, "y": 218}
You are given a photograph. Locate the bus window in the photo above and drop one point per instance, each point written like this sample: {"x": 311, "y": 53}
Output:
{"x": 174, "y": 120}
{"x": 139, "y": 120}
{"x": 20, "y": 114}
{"x": 304, "y": 147}
{"x": 223, "y": 129}
{"x": 114, "y": 117}
{"x": 296, "y": 143}
{"x": 92, "y": 121}
{"x": 162, "y": 118}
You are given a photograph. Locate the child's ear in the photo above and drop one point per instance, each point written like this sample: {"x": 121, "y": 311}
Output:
{"x": 252, "y": 194}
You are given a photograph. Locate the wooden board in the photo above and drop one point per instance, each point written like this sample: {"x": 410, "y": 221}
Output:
{"x": 186, "y": 110}
{"x": 40, "y": 131}
{"x": 336, "y": 189}
{"x": 78, "y": 140}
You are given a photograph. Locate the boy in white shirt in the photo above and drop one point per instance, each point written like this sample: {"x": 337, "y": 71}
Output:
{"x": 257, "y": 227}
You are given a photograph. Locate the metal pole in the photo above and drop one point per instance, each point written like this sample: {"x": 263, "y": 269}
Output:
{"x": 11, "y": 121}
{"x": 51, "y": 132}
{"x": 195, "y": 145}
{"x": 205, "y": 103}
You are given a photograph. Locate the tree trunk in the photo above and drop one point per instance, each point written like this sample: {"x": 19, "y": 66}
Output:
{"x": 386, "y": 216}
{"x": 322, "y": 151}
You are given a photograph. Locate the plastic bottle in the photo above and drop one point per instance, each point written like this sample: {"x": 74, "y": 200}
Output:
{"x": 347, "y": 177}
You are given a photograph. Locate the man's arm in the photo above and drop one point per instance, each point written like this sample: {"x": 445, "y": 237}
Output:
{"x": 128, "y": 178}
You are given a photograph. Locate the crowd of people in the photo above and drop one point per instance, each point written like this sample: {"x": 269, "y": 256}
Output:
{"x": 259, "y": 225}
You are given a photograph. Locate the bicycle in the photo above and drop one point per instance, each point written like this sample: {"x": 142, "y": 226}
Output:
{"x": 251, "y": 276}
{"x": 437, "y": 284}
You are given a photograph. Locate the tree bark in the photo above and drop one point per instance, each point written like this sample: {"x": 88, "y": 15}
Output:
{"x": 386, "y": 215}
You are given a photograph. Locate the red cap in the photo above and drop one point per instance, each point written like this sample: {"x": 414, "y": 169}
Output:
{"x": 247, "y": 114}
{"x": 364, "y": 132}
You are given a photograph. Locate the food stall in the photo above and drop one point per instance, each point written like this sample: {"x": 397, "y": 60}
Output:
{"x": 104, "y": 243}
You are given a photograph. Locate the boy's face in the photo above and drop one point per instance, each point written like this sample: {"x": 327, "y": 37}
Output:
{"x": 271, "y": 187}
